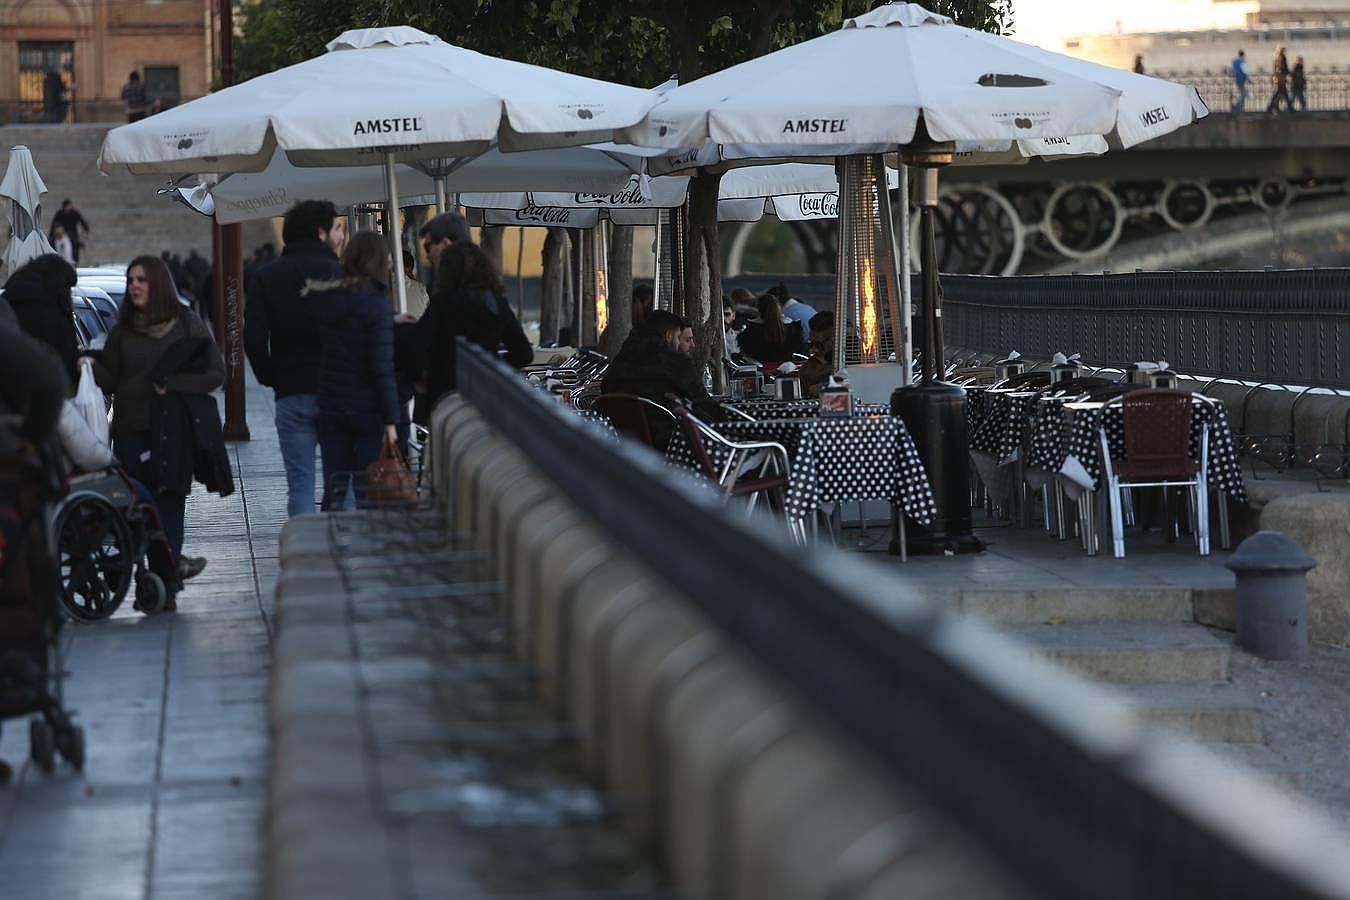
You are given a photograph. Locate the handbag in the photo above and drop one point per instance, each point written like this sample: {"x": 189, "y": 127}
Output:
{"x": 389, "y": 482}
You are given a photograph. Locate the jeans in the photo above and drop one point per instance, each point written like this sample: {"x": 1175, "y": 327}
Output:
{"x": 133, "y": 452}
{"x": 297, "y": 421}
{"x": 1297, "y": 98}
{"x": 349, "y": 443}
{"x": 1241, "y": 102}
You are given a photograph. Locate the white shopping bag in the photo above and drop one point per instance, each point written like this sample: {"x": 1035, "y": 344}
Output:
{"x": 89, "y": 401}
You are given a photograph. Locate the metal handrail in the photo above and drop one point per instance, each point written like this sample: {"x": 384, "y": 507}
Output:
{"x": 1040, "y": 770}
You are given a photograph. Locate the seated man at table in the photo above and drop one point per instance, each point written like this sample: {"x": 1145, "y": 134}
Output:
{"x": 651, "y": 365}
{"x": 817, "y": 370}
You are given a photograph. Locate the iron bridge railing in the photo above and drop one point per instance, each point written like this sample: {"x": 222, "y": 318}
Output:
{"x": 1281, "y": 326}
{"x": 1028, "y": 765}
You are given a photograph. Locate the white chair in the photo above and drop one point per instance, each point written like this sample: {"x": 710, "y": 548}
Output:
{"x": 1157, "y": 432}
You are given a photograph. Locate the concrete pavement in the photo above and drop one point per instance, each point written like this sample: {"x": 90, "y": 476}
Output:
{"x": 174, "y": 709}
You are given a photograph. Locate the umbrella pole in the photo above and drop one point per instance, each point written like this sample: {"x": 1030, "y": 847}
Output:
{"x": 395, "y": 235}
{"x": 906, "y": 301}
{"x": 442, "y": 196}
{"x": 656, "y": 262}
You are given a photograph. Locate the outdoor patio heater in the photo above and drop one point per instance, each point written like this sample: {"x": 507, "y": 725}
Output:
{"x": 868, "y": 329}
{"x": 934, "y": 410}
{"x": 592, "y": 295}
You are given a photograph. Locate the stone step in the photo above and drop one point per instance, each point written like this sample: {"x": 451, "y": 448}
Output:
{"x": 1077, "y": 606}
{"x": 1130, "y": 652}
{"x": 1216, "y": 713}
{"x": 1259, "y": 761}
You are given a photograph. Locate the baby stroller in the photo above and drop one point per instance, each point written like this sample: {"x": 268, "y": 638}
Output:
{"x": 107, "y": 538}
{"x": 30, "y": 622}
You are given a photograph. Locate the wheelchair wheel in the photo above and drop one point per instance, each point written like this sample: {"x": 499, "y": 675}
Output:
{"x": 151, "y": 594}
{"x": 95, "y": 557}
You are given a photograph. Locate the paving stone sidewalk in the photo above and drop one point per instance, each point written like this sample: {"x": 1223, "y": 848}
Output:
{"x": 174, "y": 708}
{"x": 413, "y": 756}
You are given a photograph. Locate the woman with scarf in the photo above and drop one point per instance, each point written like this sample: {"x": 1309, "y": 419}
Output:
{"x": 152, "y": 321}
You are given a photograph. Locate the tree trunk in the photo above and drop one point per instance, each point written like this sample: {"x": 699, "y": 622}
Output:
{"x": 703, "y": 275}
{"x": 620, "y": 289}
{"x": 490, "y": 239}
{"x": 552, "y": 287}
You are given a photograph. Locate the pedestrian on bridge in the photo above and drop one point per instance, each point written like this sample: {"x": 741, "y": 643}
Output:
{"x": 1240, "y": 82}
{"x": 1298, "y": 85}
{"x": 1279, "y": 78}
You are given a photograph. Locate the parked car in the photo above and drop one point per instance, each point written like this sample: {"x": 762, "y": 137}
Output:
{"x": 113, "y": 280}
{"x": 100, "y": 300}
{"x": 90, "y": 329}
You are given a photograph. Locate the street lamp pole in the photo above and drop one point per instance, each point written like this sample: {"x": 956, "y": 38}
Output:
{"x": 227, "y": 294}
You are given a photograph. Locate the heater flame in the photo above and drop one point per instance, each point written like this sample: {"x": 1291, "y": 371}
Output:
{"x": 868, "y": 313}
{"x": 601, "y": 302}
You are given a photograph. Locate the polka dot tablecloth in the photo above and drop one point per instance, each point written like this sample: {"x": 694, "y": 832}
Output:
{"x": 1001, "y": 421}
{"x": 1077, "y": 436}
{"x": 794, "y": 409}
{"x": 833, "y": 460}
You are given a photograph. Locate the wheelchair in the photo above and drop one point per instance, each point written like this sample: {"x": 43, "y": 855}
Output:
{"x": 108, "y": 539}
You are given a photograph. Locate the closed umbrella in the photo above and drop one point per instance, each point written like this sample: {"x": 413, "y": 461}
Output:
{"x": 23, "y": 187}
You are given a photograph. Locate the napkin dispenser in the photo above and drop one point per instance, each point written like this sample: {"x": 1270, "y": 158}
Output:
{"x": 1064, "y": 372}
{"x": 745, "y": 382}
{"x": 1007, "y": 369}
{"x": 1164, "y": 378}
{"x": 787, "y": 387}
{"x": 836, "y": 398}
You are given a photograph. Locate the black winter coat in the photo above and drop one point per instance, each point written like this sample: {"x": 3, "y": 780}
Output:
{"x": 281, "y": 337}
{"x": 649, "y": 367}
{"x": 45, "y": 318}
{"x": 480, "y": 317}
{"x": 186, "y": 440}
{"x": 356, "y": 369}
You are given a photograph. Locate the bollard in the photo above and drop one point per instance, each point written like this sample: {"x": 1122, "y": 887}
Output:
{"x": 1272, "y": 595}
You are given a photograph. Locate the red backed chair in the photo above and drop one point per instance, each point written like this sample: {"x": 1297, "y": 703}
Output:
{"x": 1157, "y": 427}
{"x": 628, "y": 413}
{"x": 766, "y": 476}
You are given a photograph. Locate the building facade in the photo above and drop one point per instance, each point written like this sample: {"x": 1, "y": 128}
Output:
{"x": 92, "y": 46}
{"x": 1317, "y": 31}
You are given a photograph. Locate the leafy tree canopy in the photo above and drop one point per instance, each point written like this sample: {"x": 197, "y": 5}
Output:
{"x": 639, "y": 42}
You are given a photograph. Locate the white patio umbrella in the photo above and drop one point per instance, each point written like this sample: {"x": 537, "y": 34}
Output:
{"x": 260, "y": 195}
{"x": 23, "y": 187}
{"x": 788, "y": 191}
{"x": 864, "y": 88}
{"x": 378, "y": 95}
{"x": 904, "y": 78}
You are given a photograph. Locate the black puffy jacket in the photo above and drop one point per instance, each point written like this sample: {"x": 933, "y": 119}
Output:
{"x": 649, "y": 367}
{"x": 281, "y": 338}
{"x": 356, "y": 366}
{"x": 44, "y": 317}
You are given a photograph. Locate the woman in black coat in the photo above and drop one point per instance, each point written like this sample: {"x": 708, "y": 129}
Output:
{"x": 468, "y": 301}
{"x": 358, "y": 393}
{"x": 771, "y": 339}
{"x": 39, "y": 294}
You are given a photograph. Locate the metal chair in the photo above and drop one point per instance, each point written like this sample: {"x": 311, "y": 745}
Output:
{"x": 751, "y": 468}
{"x": 1157, "y": 426}
{"x": 628, "y": 413}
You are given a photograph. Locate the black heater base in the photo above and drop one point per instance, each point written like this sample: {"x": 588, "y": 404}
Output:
{"x": 935, "y": 414}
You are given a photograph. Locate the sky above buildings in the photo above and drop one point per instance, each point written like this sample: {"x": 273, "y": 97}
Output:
{"x": 1047, "y": 22}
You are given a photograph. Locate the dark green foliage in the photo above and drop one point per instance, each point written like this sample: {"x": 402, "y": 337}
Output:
{"x": 639, "y": 42}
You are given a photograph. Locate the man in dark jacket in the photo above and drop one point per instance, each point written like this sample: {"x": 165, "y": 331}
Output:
{"x": 650, "y": 365}
{"x": 281, "y": 337}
